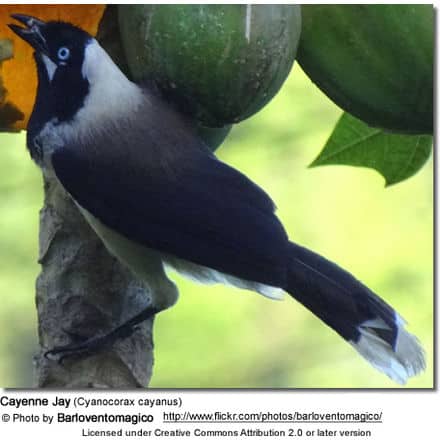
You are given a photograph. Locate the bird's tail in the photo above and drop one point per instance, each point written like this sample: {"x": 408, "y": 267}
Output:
{"x": 369, "y": 324}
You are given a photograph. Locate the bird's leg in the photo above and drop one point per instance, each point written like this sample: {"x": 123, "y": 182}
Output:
{"x": 98, "y": 343}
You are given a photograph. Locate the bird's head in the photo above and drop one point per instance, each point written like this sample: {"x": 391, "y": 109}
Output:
{"x": 61, "y": 56}
{"x": 61, "y": 46}
{"x": 72, "y": 67}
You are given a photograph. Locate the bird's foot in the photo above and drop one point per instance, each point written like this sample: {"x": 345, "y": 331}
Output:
{"x": 90, "y": 346}
{"x": 84, "y": 347}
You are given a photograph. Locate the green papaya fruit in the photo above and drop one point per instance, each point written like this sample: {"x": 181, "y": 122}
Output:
{"x": 223, "y": 63}
{"x": 374, "y": 61}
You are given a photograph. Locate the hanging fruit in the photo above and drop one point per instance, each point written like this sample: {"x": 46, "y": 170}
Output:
{"x": 374, "y": 61}
{"x": 222, "y": 63}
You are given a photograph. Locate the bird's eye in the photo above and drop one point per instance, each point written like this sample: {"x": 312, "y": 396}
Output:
{"x": 63, "y": 53}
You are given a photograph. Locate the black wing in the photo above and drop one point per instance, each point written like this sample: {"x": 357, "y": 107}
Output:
{"x": 202, "y": 211}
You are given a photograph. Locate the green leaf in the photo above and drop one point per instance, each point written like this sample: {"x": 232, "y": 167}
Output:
{"x": 395, "y": 156}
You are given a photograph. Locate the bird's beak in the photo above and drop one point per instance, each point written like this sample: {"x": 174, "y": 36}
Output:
{"x": 32, "y": 33}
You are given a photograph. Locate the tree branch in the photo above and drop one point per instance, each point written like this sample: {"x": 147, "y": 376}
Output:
{"x": 83, "y": 290}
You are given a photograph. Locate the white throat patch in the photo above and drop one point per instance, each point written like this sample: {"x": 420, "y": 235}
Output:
{"x": 51, "y": 67}
{"x": 111, "y": 94}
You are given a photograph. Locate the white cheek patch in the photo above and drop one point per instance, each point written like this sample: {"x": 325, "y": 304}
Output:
{"x": 51, "y": 67}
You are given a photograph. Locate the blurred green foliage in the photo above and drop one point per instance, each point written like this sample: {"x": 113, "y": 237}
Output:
{"x": 223, "y": 337}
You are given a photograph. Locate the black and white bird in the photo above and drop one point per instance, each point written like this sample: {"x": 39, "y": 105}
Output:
{"x": 158, "y": 198}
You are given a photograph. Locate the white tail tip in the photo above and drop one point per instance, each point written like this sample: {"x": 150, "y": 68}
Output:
{"x": 400, "y": 363}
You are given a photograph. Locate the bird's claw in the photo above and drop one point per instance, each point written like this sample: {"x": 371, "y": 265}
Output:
{"x": 84, "y": 347}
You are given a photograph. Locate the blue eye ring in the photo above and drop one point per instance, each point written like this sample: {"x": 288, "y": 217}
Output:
{"x": 63, "y": 53}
